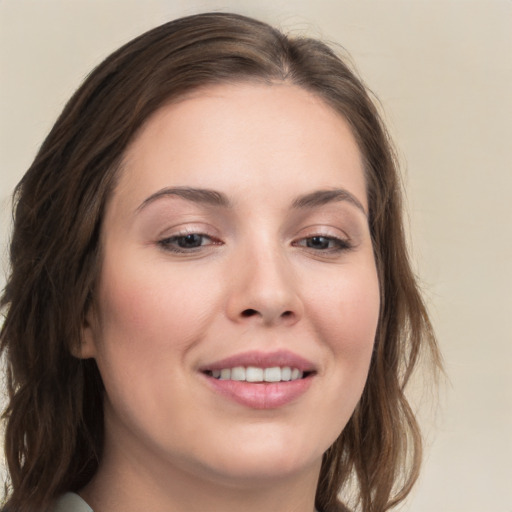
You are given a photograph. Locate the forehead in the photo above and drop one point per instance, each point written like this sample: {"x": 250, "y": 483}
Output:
{"x": 232, "y": 136}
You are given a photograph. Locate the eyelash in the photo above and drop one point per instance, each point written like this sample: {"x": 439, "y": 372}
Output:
{"x": 335, "y": 245}
{"x": 171, "y": 243}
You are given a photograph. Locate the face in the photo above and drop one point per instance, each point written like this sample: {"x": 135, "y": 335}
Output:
{"x": 238, "y": 299}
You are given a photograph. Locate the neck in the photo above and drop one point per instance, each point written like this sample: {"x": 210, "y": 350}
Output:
{"x": 109, "y": 492}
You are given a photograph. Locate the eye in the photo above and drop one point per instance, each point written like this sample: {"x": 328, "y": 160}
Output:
{"x": 187, "y": 242}
{"x": 324, "y": 243}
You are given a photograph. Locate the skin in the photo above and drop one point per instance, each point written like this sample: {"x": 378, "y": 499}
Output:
{"x": 258, "y": 280}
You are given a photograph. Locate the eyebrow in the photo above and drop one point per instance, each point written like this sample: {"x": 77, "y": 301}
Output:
{"x": 216, "y": 198}
{"x": 196, "y": 195}
{"x": 322, "y": 197}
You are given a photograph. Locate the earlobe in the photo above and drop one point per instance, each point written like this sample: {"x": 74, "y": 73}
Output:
{"x": 86, "y": 348}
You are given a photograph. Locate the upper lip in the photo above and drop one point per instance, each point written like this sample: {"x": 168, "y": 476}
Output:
{"x": 262, "y": 360}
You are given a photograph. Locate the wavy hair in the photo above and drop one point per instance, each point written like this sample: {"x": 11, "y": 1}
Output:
{"x": 54, "y": 418}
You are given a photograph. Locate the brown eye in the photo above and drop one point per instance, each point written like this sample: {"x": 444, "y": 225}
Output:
{"x": 189, "y": 241}
{"x": 319, "y": 242}
{"x": 186, "y": 243}
{"x": 324, "y": 243}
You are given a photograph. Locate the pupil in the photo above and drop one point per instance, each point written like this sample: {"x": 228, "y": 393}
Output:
{"x": 189, "y": 241}
{"x": 318, "y": 242}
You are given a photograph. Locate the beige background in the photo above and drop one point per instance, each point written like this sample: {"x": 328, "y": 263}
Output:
{"x": 443, "y": 72}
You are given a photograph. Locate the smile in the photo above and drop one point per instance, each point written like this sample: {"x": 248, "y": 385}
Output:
{"x": 257, "y": 374}
{"x": 260, "y": 380}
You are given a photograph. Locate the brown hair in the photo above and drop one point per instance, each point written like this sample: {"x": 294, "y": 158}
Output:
{"x": 54, "y": 419}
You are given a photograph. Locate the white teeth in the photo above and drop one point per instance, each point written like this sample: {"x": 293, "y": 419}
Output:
{"x": 255, "y": 374}
{"x": 286, "y": 373}
{"x": 272, "y": 374}
{"x": 238, "y": 373}
{"x": 225, "y": 374}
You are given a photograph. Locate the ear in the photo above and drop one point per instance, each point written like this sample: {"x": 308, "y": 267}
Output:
{"x": 86, "y": 348}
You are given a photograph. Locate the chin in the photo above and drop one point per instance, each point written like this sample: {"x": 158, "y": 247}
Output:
{"x": 266, "y": 459}
{"x": 263, "y": 471}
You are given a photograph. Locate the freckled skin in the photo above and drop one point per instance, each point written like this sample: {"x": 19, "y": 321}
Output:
{"x": 161, "y": 315}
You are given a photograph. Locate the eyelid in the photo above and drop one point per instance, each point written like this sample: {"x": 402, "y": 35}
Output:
{"x": 188, "y": 228}
{"x": 322, "y": 229}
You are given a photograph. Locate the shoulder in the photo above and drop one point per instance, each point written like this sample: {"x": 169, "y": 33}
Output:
{"x": 71, "y": 502}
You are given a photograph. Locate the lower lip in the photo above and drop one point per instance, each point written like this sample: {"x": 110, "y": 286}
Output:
{"x": 261, "y": 395}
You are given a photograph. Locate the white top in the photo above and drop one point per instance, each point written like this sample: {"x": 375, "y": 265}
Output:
{"x": 71, "y": 502}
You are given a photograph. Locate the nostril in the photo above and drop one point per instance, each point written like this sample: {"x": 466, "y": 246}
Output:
{"x": 249, "y": 312}
{"x": 252, "y": 312}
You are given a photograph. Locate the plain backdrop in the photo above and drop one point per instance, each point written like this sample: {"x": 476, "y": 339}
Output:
{"x": 443, "y": 73}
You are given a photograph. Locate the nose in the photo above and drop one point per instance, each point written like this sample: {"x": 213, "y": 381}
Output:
{"x": 264, "y": 290}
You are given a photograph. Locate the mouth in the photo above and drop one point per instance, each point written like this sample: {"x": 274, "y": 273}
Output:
{"x": 261, "y": 380}
{"x": 255, "y": 374}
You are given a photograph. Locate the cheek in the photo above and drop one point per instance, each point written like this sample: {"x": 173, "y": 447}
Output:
{"x": 149, "y": 320}
{"x": 346, "y": 314}
{"x": 347, "y": 308}
{"x": 151, "y": 307}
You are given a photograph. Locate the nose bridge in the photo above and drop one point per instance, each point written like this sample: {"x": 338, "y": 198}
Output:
{"x": 264, "y": 286}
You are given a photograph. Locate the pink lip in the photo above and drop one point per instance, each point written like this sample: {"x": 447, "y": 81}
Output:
{"x": 262, "y": 395}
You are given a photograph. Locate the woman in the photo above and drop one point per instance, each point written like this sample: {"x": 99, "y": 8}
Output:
{"x": 210, "y": 305}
